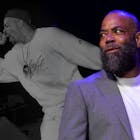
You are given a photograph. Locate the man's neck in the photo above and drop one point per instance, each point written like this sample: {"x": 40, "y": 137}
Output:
{"x": 29, "y": 36}
{"x": 132, "y": 73}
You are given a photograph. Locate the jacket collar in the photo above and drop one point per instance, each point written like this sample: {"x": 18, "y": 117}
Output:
{"x": 112, "y": 94}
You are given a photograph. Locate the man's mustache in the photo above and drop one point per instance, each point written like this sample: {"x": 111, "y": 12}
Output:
{"x": 110, "y": 46}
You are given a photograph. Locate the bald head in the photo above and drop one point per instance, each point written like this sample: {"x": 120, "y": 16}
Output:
{"x": 129, "y": 17}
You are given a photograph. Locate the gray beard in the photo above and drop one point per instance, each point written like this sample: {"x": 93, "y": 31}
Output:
{"x": 121, "y": 61}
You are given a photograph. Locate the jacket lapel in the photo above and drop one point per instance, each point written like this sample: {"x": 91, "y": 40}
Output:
{"x": 112, "y": 94}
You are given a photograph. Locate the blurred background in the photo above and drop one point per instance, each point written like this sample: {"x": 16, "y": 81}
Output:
{"x": 79, "y": 17}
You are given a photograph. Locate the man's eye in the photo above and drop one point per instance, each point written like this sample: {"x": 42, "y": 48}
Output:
{"x": 5, "y": 26}
{"x": 119, "y": 31}
{"x": 102, "y": 35}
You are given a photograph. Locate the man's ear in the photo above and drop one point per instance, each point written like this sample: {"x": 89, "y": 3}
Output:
{"x": 138, "y": 39}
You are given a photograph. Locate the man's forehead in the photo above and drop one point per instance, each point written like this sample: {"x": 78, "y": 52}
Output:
{"x": 10, "y": 19}
{"x": 114, "y": 19}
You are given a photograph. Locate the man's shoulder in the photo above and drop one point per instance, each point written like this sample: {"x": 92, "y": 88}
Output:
{"x": 49, "y": 29}
{"x": 89, "y": 83}
{"x": 46, "y": 34}
{"x": 53, "y": 31}
{"x": 92, "y": 78}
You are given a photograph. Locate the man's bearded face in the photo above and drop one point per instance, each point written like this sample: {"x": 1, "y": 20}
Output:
{"x": 119, "y": 61}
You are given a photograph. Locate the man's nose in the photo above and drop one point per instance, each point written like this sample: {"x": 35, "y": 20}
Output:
{"x": 4, "y": 32}
{"x": 109, "y": 38}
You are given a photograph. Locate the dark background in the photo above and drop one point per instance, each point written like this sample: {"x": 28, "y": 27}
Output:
{"x": 80, "y": 17}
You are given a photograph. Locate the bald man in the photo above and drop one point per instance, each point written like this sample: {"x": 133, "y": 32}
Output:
{"x": 106, "y": 105}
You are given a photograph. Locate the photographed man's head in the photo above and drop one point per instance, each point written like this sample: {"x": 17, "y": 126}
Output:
{"x": 14, "y": 22}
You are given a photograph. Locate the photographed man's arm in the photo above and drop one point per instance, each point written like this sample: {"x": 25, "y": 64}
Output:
{"x": 76, "y": 50}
